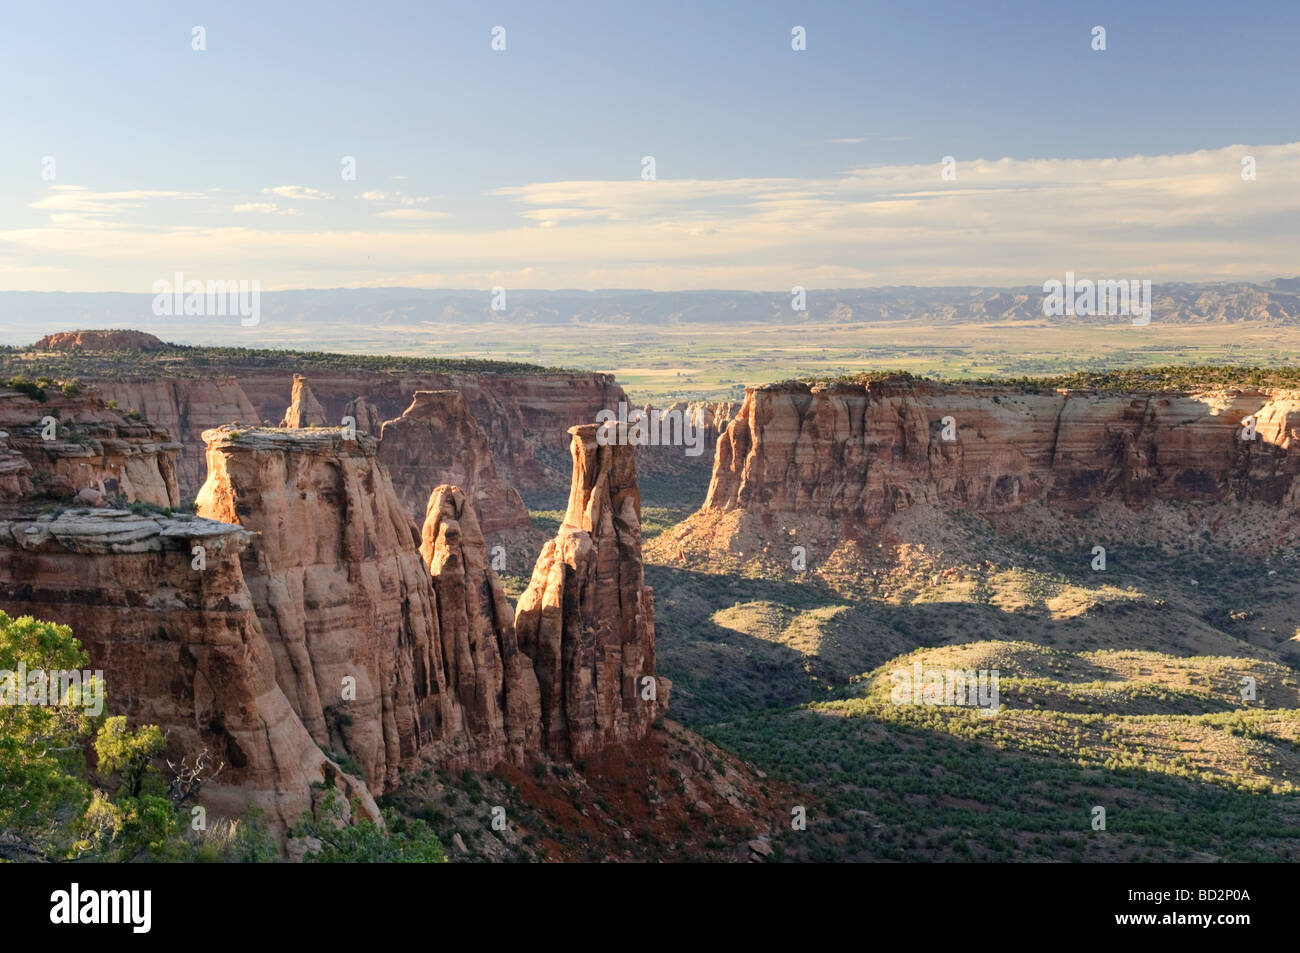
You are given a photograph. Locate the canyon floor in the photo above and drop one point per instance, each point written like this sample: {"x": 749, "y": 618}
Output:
{"x": 1120, "y": 689}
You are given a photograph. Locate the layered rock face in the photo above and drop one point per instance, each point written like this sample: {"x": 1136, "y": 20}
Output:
{"x": 304, "y": 624}
{"x": 436, "y": 441}
{"x": 587, "y": 618}
{"x": 179, "y": 644}
{"x": 524, "y": 415}
{"x": 862, "y": 452}
{"x": 365, "y": 416}
{"x": 337, "y": 580}
{"x": 184, "y": 408}
{"x": 77, "y": 447}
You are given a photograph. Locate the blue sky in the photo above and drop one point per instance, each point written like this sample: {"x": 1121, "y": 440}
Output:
{"x": 216, "y": 160}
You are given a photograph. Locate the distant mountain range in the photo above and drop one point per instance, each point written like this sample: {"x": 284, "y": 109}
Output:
{"x": 25, "y": 316}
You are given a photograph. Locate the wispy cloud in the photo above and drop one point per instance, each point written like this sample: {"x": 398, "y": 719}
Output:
{"x": 76, "y": 204}
{"x": 264, "y": 208}
{"x": 1002, "y": 221}
{"x": 297, "y": 192}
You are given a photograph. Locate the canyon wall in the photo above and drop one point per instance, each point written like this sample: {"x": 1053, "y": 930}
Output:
{"x": 66, "y": 446}
{"x": 179, "y": 647}
{"x": 493, "y": 682}
{"x": 184, "y": 408}
{"x": 158, "y": 601}
{"x": 709, "y": 417}
{"x": 525, "y": 416}
{"x": 435, "y": 441}
{"x": 351, "y": 594}
{"x": 862, "y": 452}
{"x": 587, "y": 617}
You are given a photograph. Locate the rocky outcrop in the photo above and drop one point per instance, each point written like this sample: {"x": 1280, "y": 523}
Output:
{"x": 436, "y": 441}
{"x": 587, "y": 618}
{"x": 392, "y": 644}
{"x": 491, "y": 695}
{"x": 74, "y": 446}
{"x": 179, "y": 643}
{"x": 857, "y": 454}
{"x": 304, "y": 409}
{"x": 184, "y": 408}
{"x": 365, "y": 417}
{"x": 337, "y": 580}
{"x": 99, "y": 341}
{"x": 303, "y": 630}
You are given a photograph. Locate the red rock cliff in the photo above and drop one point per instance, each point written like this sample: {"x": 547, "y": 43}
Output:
{"x": 436, "y": 441}
{"x": 69, "y": 445}
{"x": 338, "y": 583}
{"x": 858, "y": 453}
{"x": 525, "y": 416}
{"x": 499, "y": 705}
{"x": 179, "y": 646}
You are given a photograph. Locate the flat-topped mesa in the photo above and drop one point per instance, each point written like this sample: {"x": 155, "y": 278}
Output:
{"x": 337, "y": 580}
{"x": 491, "y": 709}
{"x": 161, "y": 606}
{"x": 99, "y": 341}
{"x": 864, "y": 451}
{"x": 587, "y": 618}
{"x": 75, "y": 446}
{"x": 436, "y": 441}
{"x": 304, "y": 409}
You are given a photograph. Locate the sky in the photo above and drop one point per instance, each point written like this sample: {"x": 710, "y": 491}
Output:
{"x": 127, "y": 155}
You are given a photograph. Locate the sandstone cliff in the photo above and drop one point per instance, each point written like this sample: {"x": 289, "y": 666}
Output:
{"x": 337, "y": 580}
{"x": 587, "y": 617}
{"x": 99, "y": 341}
{"x": 856, "y": 454}
{"x": 184, "y": 408}
{"x": 179, "y": 644}
{"x": 365, "y": 416}
{"x": 436, "y": 441}
{"x": 709, "y": 418}
{"x": 524, "y": 415}
{"x": 69, "y": 446}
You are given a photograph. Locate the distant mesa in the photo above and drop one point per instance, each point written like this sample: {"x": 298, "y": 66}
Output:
{"x": 99, "y": 341}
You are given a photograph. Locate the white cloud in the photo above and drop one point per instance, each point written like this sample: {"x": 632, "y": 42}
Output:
{"x": 297, "y": 192}
{"x": 89, "y": 205}
{"x": 264, "y": 208}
